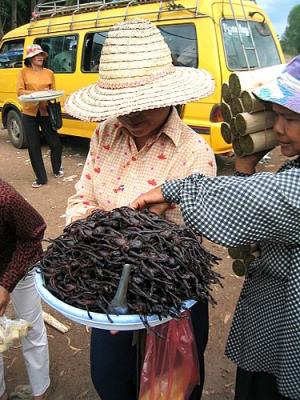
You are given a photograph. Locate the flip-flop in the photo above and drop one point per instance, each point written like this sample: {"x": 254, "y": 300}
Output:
{"x": 36, "y": 185}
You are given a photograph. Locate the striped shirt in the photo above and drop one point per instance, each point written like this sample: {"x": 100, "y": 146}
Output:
{"x": 263, "y": 208}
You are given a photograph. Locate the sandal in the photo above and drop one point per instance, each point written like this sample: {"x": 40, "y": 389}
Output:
{"x": 36, "y": 185}
{"x": 60, "y": 173}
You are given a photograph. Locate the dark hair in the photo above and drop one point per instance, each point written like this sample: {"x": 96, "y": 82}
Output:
{"x": 27, "y": 62}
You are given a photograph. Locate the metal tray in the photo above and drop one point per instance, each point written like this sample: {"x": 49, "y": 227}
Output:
{"x": 120, "y": 323}
{"x": 35, "y": 98}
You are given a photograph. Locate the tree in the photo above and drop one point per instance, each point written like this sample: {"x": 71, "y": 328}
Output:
{"x": 291, "y": 38}
{"x": 13, "y": 13}
{"x": 14, "y": 8}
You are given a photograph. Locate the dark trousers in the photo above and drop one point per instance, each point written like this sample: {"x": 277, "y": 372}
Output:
{"x": 31, "y": 128}
{"x": 256, "y": 386}
{"x": 114, "y": 359}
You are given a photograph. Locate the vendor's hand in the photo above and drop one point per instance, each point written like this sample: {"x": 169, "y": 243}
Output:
{"x": 247, "y": 164}
{"x": 4, "y": 299}
{"x": 159, "y": 208}
{"x": 84, "y": 216}
{"x": 151, "y": 199}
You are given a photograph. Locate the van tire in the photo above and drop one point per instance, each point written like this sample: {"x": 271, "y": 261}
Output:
{"x": 15, "y": 129}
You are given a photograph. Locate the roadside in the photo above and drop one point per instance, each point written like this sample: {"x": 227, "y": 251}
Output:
{"x": 70, "y": 352}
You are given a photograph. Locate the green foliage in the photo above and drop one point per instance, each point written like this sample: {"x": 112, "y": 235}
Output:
{"x": 23, "y": 14}
{"x": 290, "y": 41}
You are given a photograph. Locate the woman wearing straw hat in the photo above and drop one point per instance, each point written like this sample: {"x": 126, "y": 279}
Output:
{"x": 141, "y": 142}
{"x": 35, "y": 77}
{"x": 263, "y": 208}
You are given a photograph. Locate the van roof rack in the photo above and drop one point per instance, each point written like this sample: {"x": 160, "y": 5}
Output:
{"x": 61, "y": 7}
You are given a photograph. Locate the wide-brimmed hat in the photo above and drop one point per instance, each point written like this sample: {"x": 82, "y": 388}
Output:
{"x": 136, "y": 73}
{"x": 33, "y": 50}
{"x": 285, "y": 89}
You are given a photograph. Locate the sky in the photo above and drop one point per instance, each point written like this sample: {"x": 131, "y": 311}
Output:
{"x": 278, "y": 12}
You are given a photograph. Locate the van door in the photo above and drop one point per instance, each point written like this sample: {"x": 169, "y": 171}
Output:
{"x": 11, "y": 61}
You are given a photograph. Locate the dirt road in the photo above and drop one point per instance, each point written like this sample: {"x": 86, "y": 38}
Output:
{"x": 70, "y": 352}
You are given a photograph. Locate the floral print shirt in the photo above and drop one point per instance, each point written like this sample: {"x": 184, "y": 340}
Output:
{"x": 115, "y": 172}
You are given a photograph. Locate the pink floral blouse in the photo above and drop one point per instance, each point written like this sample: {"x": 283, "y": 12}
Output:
{"x": 115, "y": 172}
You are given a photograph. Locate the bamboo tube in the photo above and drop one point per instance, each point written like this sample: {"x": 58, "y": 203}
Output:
{"x": 252, "y": 104}
{"x": 258, "y": 141}
{"x": 239, "y": 267}
{"x": 243, "y": 80}
{"x": 242, "y": 251}
{"x": 237, "y": 147}
{"x": 235, "y": 252}
{"x": 226, "y": 112}
{"x": 251, "y": 257}
{"x": 226, "y": 132}
{"x": 246, "y": 123}
{"x": 236, "y": 106}
{"x": 226, "y": 93}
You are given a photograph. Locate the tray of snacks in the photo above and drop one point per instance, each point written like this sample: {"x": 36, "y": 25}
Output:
{"x": 41, "y": 95}
{"x": 125, "y": 270}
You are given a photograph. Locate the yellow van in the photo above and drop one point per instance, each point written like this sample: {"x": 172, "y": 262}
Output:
{"x": 219, "y": 35}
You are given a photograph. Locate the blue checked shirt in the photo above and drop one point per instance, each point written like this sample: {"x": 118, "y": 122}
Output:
{"x": 263, "y": 208}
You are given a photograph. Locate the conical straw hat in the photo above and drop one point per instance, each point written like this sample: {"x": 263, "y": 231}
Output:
{"x": 136, "y": 73}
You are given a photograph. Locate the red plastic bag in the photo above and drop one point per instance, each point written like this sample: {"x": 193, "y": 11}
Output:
{"x": 170, "y": 370}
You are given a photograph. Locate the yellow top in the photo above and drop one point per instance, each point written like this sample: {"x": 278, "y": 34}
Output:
{"x": 30, "y": 81}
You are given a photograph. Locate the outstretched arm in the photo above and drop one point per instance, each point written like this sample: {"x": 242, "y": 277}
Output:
{"x": 235, "y": 210}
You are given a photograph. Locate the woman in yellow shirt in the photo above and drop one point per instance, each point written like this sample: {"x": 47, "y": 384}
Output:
{"x": 35, "y": 77}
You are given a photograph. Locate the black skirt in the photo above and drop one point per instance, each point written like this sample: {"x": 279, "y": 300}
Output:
{"x": 256, "y": 386}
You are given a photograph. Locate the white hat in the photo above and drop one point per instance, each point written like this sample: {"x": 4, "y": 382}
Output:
{"x": 136, "y": 73}
{"x": 33, "y": 50}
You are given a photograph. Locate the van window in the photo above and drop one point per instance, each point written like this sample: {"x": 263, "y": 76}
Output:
{"x": 11, "y": 54}
{"x": 182, "y": 40}
{"x": 92, "y": 48}
{"x": 61, "y": 51}
{"x": 263, "y": 40}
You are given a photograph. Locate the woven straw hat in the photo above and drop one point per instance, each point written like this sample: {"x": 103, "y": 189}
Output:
{"x": 136, "y": 73}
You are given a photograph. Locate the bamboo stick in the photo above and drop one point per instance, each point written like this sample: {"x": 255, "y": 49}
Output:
{"x": 252, "y": 104}
{"x": 226, "y": 112}
{"x": 226, "y": 132}
{"x": 226, "y": 93}
{"x": 246, "y": 123}
{"x": 258, "y": 141}
{"x": 50, "y": 320}
{"x": 236, "y": 106}
{"x": 244, "y": 80}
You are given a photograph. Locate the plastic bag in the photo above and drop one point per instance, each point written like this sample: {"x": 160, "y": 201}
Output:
{"x": 55, "y": 116}
{"x": 11, "y": 330}
{"x": 170, "y": 370}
